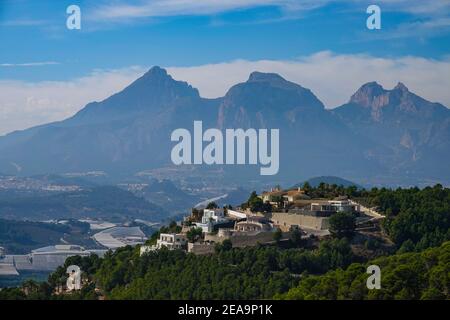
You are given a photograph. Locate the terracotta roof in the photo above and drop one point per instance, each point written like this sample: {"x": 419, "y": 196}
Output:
{"x": 273, "y": 193}
{"x": 295, "y": 192}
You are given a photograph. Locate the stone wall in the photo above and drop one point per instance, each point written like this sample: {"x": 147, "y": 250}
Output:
{"x": 201, "y": 248}
{"x": 285, "y": 220}
{"x": 251, "y": 240}
{"x": 243, "y": 239}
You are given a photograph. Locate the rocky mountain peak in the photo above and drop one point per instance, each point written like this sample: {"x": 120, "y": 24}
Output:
{"x": 401, "y": 87}
{"x": 367, "y": 94}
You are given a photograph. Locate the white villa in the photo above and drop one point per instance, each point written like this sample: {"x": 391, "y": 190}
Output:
{"x": 335, "y": 206}
{"x": 210, "y": 218}
{"x": 168, "y": 240}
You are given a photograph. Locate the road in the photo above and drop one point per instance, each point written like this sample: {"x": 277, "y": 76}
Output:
{"x": 205, "y": 203}
{"x": 368, "y": 211}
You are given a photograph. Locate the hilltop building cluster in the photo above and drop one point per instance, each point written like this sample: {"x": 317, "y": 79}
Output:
{"x": 290, "y": 210}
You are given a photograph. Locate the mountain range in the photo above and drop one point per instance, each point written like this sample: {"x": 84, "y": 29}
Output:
{"x": 379, "y": 137}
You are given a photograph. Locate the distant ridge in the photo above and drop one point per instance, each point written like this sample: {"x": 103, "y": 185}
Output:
{"x": 314, "y": 182}
{"x": 381, "y": 136}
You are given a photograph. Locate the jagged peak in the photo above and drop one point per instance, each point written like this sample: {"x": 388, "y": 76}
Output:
{"x": 155, "y": 72}
{"x": 401, "y": 86}
{"x": 367, "y": 93}
{"x": 158, "y": 76}
{"x": 373, "y": 85}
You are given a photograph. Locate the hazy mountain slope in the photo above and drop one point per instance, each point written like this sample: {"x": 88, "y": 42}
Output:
{"x": 126, "y": 132}
{"x": 104, "y": 202}
{"x": 314, "y": 182}
{"x": 312, "y": 140}
{"x": 380, "y": 134}
{"x": 165, "y": 194}
{"x": 416, "y": 131}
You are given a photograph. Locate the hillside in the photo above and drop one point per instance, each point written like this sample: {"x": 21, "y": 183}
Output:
{"x": 106, "y": 202}
{"x": 20, "y": 237}
{"x": 314, "y": 182}
{"x": 165, "y": 194}
{"x": 419, "y": 275}
{"x": 413, "y": 267}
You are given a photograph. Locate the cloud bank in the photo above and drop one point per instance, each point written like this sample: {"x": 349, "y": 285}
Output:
{"x": 333, "y": 78}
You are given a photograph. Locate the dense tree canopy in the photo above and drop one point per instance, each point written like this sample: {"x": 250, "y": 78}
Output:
{"x": 249, "y": 273}
{"x": 423, "y": 275}
{"x": 342, "y": 224}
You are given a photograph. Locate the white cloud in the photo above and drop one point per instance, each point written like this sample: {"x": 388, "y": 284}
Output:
{"x": 430, "y": 7}
{"x": 161, "y": 8}
{"x": 29, "y": 64}
{"x": 23, "y": 23}
{"x": 333, "y": 78}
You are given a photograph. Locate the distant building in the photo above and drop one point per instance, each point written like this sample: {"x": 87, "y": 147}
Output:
{"x": 343, "y": 205}
{"x": 248, "y": 227}
{"x": 286, "y": 221}
{"x": 294, "y": 195}
{"x": 315, "y": 216}
{"x": 201, "y": 247}
{"x": 281, "y": 199}
{"x": 253, "y": 224}
{"x": 274, "y": 196}
{"x": 211, "y": 218}
{"x": 215, "y": 215}
{"x": 170, "y": 241}
{"x": 236, "y": 214}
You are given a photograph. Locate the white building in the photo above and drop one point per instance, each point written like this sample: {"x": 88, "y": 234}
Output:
{"x": 215, "y": 215}
{"x": 168, "y": 240}
{"x": 236, "y": 214}
{"x": 210, "y": 218}
{"x": 336, "y": 206}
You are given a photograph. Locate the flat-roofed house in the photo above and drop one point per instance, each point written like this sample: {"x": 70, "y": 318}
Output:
{"x": 170, "y": 241}
{"x": 253, "y": 224}
{"x": 315, "y": 216}
{"x": 335, "y": 206}
{"x": 211, "y": 218}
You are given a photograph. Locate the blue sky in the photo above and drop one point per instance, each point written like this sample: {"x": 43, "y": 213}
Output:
{"x": 34, "y": 31}
{"x": 308, "y": 41}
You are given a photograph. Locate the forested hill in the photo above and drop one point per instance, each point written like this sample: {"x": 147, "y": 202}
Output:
{"x": 418, "y": 275}
{"x": 416, "y": 267}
